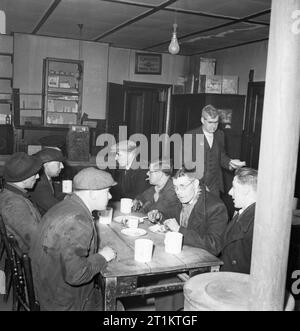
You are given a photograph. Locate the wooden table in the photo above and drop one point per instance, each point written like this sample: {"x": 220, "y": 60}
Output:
{"x": 120, "y": 278}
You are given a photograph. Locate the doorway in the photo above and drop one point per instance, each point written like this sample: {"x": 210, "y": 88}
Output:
{"x": 145, "y": 108}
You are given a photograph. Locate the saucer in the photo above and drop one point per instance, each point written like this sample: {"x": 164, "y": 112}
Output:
{"x": 134, "y": 232}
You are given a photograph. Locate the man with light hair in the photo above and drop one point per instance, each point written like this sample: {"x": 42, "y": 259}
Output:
{"x": 66, "y": 255}
{"x": 131, "y": 182}
{"x": 237, "y": 240}
{"x": 215, "y": 157}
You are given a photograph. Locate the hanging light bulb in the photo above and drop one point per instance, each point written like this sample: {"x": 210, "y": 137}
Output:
{"x": 174, "y": 46}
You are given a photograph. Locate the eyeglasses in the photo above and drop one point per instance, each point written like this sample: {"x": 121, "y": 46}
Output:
{"x": 182, "y": 187}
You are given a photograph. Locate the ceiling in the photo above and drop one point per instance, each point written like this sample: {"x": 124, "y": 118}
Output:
{"x": 203, "y": 25}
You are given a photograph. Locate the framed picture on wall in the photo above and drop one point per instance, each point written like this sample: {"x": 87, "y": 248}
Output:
{"x": 148, "y": 64}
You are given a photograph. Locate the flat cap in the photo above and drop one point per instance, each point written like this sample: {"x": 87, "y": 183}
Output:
{"x": 123, "y": 145}
{"x": 164, "y": 164}
{"x": 50, "y": 154}
{"x": 21, "y": 166}
{"x": 92, "y": 179}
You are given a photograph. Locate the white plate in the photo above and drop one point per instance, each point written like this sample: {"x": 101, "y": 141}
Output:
{"x": 134, "y": 232}
{"x": 122, "y": 218}
{"x": 158, "y": 228}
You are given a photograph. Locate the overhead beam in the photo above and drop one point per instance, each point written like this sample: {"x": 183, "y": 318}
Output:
{"x": 48, "y": 12}
{"x": 232, "y": 46}
{"x": 135, "y": 19}
{"x": 185, "y": 11}
{"x": 240, "y": 20}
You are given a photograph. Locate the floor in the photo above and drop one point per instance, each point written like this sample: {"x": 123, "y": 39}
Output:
{"x": 131, "y": 304}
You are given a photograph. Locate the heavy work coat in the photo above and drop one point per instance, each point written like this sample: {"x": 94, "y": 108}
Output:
{"x": 20, "y": 216}
{"x": 43, "y": 195}
{"x": 168, "y": 203}
{"x": 206, "y": 224}
{"x": 214, "y": 158}
{"x": 65, "y": 259}
{"x": 237, "y": 242}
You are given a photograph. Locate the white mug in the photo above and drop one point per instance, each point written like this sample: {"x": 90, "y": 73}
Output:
{"x": 105, "y": 216}
{"x": 143, "y": 250}
{"x": 67, "y": 186}
{"x": 126, "y": 205}
{"x": 173, "y": 242}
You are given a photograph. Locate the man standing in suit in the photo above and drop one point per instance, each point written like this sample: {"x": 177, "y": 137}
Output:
{"x": 43, "y": 194}
{"x": 214, "y": 151}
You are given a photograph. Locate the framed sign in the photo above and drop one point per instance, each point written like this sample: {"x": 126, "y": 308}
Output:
{"x": 148, "y": 63}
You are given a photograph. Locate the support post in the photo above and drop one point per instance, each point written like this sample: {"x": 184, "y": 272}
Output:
{"x": 278, "y": 159}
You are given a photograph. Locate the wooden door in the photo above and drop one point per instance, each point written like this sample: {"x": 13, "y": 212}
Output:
{"x": 115, "y": 112}
{"x": 252, "y": 125}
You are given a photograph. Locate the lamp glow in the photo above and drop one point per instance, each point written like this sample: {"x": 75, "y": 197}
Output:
{"x": 174, "y": 46}
{"x": 2, "y": 22}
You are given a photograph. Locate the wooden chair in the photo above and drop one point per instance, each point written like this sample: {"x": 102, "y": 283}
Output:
{"x": 5, "y": 247}
{"x": 18, "y": 273}
{"x": 23, "y": 288}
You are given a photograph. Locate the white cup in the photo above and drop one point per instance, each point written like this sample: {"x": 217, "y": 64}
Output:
{"x": 173, "y": 242}
{"x": 132, "y": 222}
{"x": 105, "y": 216}
{"x": 126, "y": 205}
{"x": 67, "y": 186}
{"x": 143, "y": 250}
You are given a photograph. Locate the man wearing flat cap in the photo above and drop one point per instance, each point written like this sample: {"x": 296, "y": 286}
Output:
{"x": 19, "y": 214}
{"x": 66, "y": 255}
{"x": 43, "y": 193}
{"x": 161, "y": 196}
{"x": 130, "y": 181}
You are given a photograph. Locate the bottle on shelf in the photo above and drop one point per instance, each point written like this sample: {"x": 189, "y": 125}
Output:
{"x": 7, "y": 119}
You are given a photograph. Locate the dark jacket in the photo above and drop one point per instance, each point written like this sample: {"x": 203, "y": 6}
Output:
{"x": 237, "y": 242}
{"x": 214, "y": 158}
{"x": 168, "y": 203}
{"x": 43, "y": 195}
{"x": 206, "y": 224}
{"x": 65, "y": 259}
{"x": 130, "y": 183}
{"x": 20, "y": 216}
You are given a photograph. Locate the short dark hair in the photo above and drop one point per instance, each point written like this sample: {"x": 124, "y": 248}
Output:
{"x": 163, "y": 165}
{"x": 183, "y": 171}
{"x": 246, "y": 175}
{"x": 209, "y": 110}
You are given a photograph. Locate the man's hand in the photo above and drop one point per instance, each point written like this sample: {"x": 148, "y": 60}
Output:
{"x": 172, "y": 224}
{"x": 154, "y": 216}
{"x": 234, "y": 164}
{"x": 108, "y": 253}
{"x": 136, "y": 205}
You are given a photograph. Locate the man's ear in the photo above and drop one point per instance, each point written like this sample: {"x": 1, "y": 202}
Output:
{"x": 196, "y": 183}
{"x": 92, "y": 194}
{"x": 202, "y": 120}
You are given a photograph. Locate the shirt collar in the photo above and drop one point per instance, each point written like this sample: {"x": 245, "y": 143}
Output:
{"x": 16, "y": 189}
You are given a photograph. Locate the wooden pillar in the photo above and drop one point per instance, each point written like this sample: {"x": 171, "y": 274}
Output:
{"x": 278, "y": 158}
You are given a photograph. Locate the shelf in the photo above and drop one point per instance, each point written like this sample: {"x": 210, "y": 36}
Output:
{"x": 6, "y": 78}
{"x": 31, "y": 108}
{"x": 62, "y": 112}
{"x": 6, "y": 54}
{"x": 6, "y": 101}
{"x": 61, "y": 90}
{"x": 62, "y": 75}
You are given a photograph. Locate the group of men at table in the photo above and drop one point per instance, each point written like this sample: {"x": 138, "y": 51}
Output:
{"x": 59, "y": 231}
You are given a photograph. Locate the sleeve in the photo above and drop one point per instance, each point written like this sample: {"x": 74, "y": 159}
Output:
{"x": 225, "y": 159}
{"x": 211, "y": 238}
{"x": 79, "y": 265}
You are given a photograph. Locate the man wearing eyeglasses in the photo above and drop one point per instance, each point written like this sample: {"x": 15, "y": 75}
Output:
{"x": 202, "y": 221}
{"x": 160, "y": 197}
{"x": 215, "y": 157}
